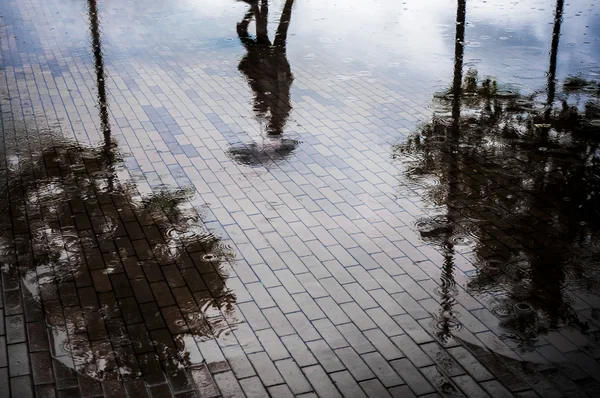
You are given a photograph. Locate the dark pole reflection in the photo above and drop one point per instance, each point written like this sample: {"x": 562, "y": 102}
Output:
{"x": 558, "y": 17}
{"x": 269, "y": 75}
{"x": 459, "y": 52}
{"x": 447, "y": 319}
{"x": 100, "y": 74}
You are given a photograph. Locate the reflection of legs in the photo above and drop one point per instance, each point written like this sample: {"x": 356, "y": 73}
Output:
{"x": 242, "y": 27}
{"x": 262, "y": 34}
{"x": 284, "y": 24}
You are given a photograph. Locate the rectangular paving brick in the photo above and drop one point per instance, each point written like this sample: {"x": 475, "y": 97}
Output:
{"x": 354, "y": 363}
{"x": 299, "y": 350}
{"x": 325, "y": 356}
{"x": 272, "y": 344}
{"x": 18, "y": 360}
{"x": 321, "y": 383}
{"x": 415, "y": 380}
{"x": 265, "y": 368}
{"x": 198, "y": 257}
{"x": 383, "y": 344}
{"x": 293, "y": 376}
{"x": 384, "y": 372}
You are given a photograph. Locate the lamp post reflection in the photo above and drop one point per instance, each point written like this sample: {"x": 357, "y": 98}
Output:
{"x": 100, "y": 73}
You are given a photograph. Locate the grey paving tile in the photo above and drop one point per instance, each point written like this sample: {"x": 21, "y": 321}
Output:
{"x": 282, "y": 391}
{"x": 299, "y": 351}
{"x": 325, "y": 355}
{"x": 356, "y": 338}
{"x": 382, "y": 369}
{"x": 265, "y": 368}
{"x": 330, "y": 333}
{"x": 253, "y": 387}
{"x": 321, "y": 383}
{"x": 354, "y": 363}
{"x": 227, "y": 385}
{"x": 374, "y": 388}
{"x": 273, "y": 346}
{"x": 347, "y": 385}
{"x": 293, "y": 376}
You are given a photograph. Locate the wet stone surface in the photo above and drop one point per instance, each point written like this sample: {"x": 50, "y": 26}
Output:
{"x": 299, "y": 198}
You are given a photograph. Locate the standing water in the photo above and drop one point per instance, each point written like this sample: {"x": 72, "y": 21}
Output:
{"x": 293, "y": 197}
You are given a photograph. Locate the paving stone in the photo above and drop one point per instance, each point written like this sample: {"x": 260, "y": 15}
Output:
{"x": 411, "y": 375}
{"x": 347, "y": 385}
{"x": 266, "y": 369}
{"x": 470, "y": 363}
{"x": 41, "y": 366}
{"x": 282, "y": 391}
{"x": 262, "y": 221}
{"x": 204, "y": 383}
{"x": 253, "y": 387}
{"x": 293, "y": 376}
{"x": 299, "y": 351}
{"x": 321, "y": 383}
{"x": 374, "y": 388}
{"x": 21, "y": 387}
{"x": 354, "y": 363}
{"x": 18, "y": 359}
{"x": 325, "y": 356}
{"x": 356, "y": 338}
{"x": 382, "y": 369}
{"x": 383, "y": 344}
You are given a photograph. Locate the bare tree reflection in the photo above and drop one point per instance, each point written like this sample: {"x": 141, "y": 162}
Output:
{"x": 269, "y": 75}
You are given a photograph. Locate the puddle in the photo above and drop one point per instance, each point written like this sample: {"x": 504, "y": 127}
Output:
{"x": 437, "y": 160}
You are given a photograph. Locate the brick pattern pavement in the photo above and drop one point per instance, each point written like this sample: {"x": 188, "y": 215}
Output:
{"x": 302, "y": 275}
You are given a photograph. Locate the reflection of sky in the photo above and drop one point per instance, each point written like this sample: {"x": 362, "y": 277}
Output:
{"x": 510, "y": 41}
{"x": 507, "y": 40}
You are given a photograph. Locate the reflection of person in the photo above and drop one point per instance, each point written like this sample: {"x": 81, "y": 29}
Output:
{"x": 266, "y": 66}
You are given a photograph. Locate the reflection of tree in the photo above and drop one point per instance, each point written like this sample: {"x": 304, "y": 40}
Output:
{"x": 74, "y": 225}
{"x": 268, "y": 72}
{"x": 528, "y": 210}
{"x": 83, "y": 222}
{"x": 517, "y": 181}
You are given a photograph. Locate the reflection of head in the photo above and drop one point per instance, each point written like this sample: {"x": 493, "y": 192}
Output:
{"x": 78, "y": 226}
{"x": 266, "y": 67}
{"x": 253, "y": 154}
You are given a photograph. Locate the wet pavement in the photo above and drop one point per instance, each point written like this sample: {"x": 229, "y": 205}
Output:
{"x": 300, "y": 198}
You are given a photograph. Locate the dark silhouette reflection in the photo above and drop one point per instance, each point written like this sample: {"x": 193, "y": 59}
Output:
{"x": 100, "y": 73}
{"x": 528, "y": 210}
{"x": 113, "y": 273}
{"x": 122, "y": 284}
{"x": 558, "y": 13}
{"x": 446, "y": 320}
{"x": 515, "y": 182}
{"x": 269, "y": 75}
